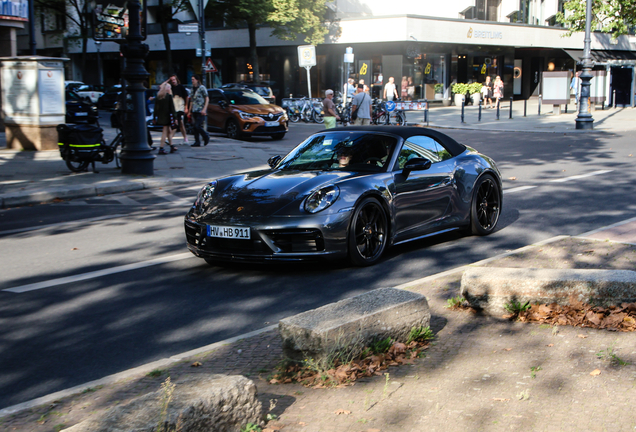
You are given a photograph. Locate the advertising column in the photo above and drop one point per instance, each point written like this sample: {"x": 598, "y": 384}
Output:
{"x": 32, "y": 101}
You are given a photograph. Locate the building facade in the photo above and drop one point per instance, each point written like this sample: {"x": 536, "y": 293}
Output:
{"x": 429, "y": 44}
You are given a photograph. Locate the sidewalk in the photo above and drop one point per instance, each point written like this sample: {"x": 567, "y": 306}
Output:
{"x": 33, "y": 177}
{"x": 480, "y": 373}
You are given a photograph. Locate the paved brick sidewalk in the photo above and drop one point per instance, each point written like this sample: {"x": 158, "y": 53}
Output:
{"x": 481, "y": 373}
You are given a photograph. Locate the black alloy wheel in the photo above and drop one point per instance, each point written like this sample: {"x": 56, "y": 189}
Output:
{"x": 486, "y": 206}
{"x": 367, "y": 233}
{"x": 233, "y": 129}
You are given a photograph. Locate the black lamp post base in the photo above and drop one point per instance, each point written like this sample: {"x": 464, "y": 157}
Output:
{"x": 585, "y": 123}
{"x": 141, "y": 166}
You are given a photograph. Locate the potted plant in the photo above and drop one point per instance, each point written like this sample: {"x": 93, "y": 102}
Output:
{"x": 475, "y": 92}
{"x": 460, "y": 90}
{"x": 439, "y": 91}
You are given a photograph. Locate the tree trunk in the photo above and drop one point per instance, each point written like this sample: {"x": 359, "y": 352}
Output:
{"x": 166, "y": 37}
{"x": 84, "y": 49}
{"x": 253, "y": 53}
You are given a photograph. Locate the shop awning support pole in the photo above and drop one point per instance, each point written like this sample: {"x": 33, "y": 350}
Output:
{"x": 584, "y": 119}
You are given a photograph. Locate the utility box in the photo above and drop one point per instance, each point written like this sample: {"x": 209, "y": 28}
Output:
{"x": 33, "y": 101}
{"x": 598, "y": 86}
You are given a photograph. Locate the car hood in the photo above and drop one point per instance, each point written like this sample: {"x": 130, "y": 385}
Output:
{"x": 266, "y": 193}
{"x": 260, "y": 109}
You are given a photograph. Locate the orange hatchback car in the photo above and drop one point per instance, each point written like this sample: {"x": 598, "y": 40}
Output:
{"x": 241, "y": 112}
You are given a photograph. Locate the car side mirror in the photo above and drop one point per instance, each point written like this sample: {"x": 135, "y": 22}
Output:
{"x": 223, "y": 104}
{"x": 273, "y": 161}
{"x": 416, "y": 164}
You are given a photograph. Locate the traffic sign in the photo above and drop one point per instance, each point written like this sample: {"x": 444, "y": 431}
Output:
{"x": 209, "y": 66}
{"x": 306, "y": 55}
{"x": 188, "y": 28}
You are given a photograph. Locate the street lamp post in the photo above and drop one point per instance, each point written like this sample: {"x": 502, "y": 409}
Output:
{"x": 100, "y": 80}
{"x": 136, "y": 157}
{"x": 584, "y": 119}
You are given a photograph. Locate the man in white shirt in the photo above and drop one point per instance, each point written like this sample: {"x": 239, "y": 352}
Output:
{"x": 390, "y": 91}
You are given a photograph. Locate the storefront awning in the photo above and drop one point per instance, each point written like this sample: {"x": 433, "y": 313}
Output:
{"x": 602, "y": 56}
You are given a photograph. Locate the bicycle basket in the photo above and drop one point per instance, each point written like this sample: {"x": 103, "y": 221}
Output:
{"x": 83, "y": 139}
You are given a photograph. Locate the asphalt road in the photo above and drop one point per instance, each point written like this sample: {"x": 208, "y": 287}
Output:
{"x": 104, "y": 318}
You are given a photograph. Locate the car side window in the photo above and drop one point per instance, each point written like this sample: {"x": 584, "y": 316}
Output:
{"x": 215, "y": 97}
{"x": 419, "y": 147}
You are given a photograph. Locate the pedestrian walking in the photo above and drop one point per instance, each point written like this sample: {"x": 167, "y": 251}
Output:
{"x": 364, "y": 86}
{"x": 498, "y": 90}
{"x": 390, "y": 91}
{"x": 486, "y": 92}
{"x": 164, "y": 114}
{"x": 404, "y": 94}
{"x": 349, "y": 89}
{"x": 575, "y": 85}
{"x": 179, "y": 98}
{"x": 199, "y": 110}
{"x": 361, "y": 106}
{"x": 329, "y": 109}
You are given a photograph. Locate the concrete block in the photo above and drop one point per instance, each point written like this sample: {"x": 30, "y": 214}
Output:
{"x": 377, "y": 314}
{"x": 491, "y": 288}
{"x": 216, "y": 403}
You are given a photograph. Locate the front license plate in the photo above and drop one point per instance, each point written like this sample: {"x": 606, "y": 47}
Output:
{"x": 81, "y": 114}
{"x": 271, "y": 123}
{"x": 228, "y": 232}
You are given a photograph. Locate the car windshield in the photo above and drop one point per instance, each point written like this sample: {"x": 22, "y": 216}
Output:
{"x": 263, "y": 91}
{"x": 72, "y": 96}
{"x": 348, "y": 151}
{"x": 244, "y": 97}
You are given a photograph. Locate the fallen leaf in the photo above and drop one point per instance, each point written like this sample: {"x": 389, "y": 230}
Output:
{"x": 512, "y": 178}
{"x": 507, "y": 349}
{"x": 595, "y": 372}
{"x": 196, "y": 364}
{"x": 302, "y": 423}
{"x": 274, "y": 381}
{"x": 581, "y": 336}
{"x": 75, "y": 249}
{"x": 550, "y": 345}
{"x": 341, "y": 411}
{"x": 500, "y": 399}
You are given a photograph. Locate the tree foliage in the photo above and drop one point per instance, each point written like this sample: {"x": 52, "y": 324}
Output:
{"x": 611, "y": 16}
{"x": 288, "y": 20}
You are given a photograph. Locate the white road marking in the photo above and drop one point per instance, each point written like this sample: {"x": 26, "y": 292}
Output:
{"x": 125, "y": 200}
{"x": 97, "y": 273}
{"x": 518, "y": 189}
{"x": 576, "y": 177}
{"x": 169, "y": 197}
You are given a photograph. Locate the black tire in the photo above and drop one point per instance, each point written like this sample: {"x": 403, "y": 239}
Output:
{"x": 278, "y": 136}
{"x": 117, "y": 144}
{"x": 368, "y": 233}
{"x": 75, "y": 165}
{"x": 485, "y": 207}
{"x": 383, "y": 119}
{"x": 294, "y": 116}
{"x": 232, "y": 129}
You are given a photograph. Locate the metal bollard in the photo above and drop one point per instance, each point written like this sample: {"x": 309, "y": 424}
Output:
{"x": 566, "y": 108}
{"x": 540, "y": 100}
{"x": 426, "y": 111}
{"x": 525, "y": 106}
{"x": 463, "y": 104}
{"x": 614, "y": 98}
{"x": 510, "y": 113}
{"x": 603, "y": 105}
{"x": 479, "y": 116}
{"x": 498, "y": 102}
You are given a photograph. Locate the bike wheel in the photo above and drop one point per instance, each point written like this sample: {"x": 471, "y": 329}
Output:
{"x": 307, "y": 115}
{"x": 116, "y": 146}
{"x": 400, "y": 119}
{"x": 318, "y": 117}
{"x": 76, "y": 165}
{"x": 294, "y": 116}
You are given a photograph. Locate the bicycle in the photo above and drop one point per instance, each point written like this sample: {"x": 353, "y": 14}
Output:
{"x": 81, "y": 145}
{"x": 379, "y": 115}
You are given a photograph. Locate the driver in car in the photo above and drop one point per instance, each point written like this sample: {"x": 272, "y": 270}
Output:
{"x": 344, "y": 157}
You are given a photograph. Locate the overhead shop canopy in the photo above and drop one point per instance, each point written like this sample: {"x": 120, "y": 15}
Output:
{"x": 603, "y": 56}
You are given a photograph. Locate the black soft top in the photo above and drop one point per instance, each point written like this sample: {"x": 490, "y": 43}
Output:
{"x": 406, "y": 132}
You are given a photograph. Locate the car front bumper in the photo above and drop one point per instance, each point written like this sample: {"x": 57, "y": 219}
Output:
{"x": 303, "y": 238}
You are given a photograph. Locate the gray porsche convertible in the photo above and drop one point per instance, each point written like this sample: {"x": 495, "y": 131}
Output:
{"x": 347, "y": 192}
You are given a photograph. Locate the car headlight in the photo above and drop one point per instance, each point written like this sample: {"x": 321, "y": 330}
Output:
{"x": 204, "y": 195}
{"x": 245, "y": 115}
{"x": 321, "y": 199}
